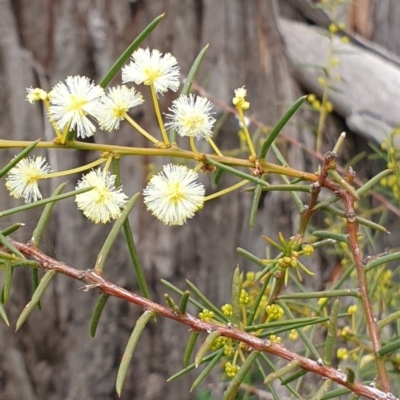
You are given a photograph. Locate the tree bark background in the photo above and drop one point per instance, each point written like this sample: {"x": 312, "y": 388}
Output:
{"x": 43, "y": 41}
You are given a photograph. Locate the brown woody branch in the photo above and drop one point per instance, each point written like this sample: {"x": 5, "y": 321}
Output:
{"x": 92, "y": 280}
{"x": 373, "y": 330}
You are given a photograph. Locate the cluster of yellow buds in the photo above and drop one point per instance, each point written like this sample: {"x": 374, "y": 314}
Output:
{"x": 315, "y": 103}
{"x": 293, "y": 335}
{"x": 342, "y": 353}
{"x": 206, "y": 315}
{"x": 227, "y": 310}
{"x": 231, "y": 369}
{"x": 229, "y": 350}
{"x": 333, "y": 28}
{"x": 218, "y": 343}
{"x": 352, "y": 309}
{"x": 308, "y": 250}
{"x": 274, "y": 311}
{"x": 275, "y": 339}
{"x": 345, "y": 333}
{"x": 288, "y": 261}
{"x": 244, "y": 297}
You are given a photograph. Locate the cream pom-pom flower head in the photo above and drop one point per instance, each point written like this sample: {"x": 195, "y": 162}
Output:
{"x": 173, "y": 195}
{"x": 72, "y": 102}
{"x": 116, "y": 104}
{"x": 22, "y": 180}
{"x": 191, "y": 116}
{"x": 104, "y": 202}
{"x": 151, "y": 67}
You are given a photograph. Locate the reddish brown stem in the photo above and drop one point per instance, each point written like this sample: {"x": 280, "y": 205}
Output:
{"x": 373, "y": 330}
{"x": 92, "y": 280}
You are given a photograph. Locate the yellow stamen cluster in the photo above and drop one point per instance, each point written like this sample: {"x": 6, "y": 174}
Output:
{"x": 308, "y": 250}
{"x": 345, "y": 332}
{"x": 275, "y": 339}
{"x": 206, "y": 315}
{"x": 229, "y": 350}
{"x": 244, "y": 297}
{"x": 342, "y": 353}
{"x": 352, "y": 309}
{"x": 274, "y": 311}
{"x": 293, "y": 335}
{"x": 218, "y": 343}
{"x": 231, "y": 369}
{"x": 227, "y": 310}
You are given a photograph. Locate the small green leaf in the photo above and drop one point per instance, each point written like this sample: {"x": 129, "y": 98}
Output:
{"x": 189, "y": 348}
{"x": 191, "y": 367}
{"x": 236, "y": 172}
{"x": 205, "y": 347}
{"x": 18, "y": 158}
{"x": 318, "y": 395}
{"x": 335, "y": 394}
{"x": 254, "y": 205}
{"x": 127, "y": 53}
{"x": 236, "y": 289}
{"x": 180, "y": 292}
{"x": 218, "y": 175}
{"x": 388, "y": 319}
{"x": 233, "y": 387}
{"x": 383, "y": 260}
{"x": 336, "y": 177}
{"x": 350, "y": 375}
{"x": 43, "y": 202}
{"x": 331, "y": 335}
{"x": 281, "y": 371}
{"x": 258, "y": 299}
{"x": 35, "y": 283}
{"x": 183, "y": 303}
{"x": 361, "y": 221}
{"x": 3, "y": 315}
{"x": 37, "y": 294}
{"x": 293, "y": 377}
{"x": 251, "y": 257}
{"x": 319, "y": 295}
{"x": 5, "y": 295}
{"x": 98, "y": 310}
{"x": 44, "y": 218}
{"x": 6, "y": 243}
{"x": 130, "y": 348}
{"x": 11, "y": 229}
{"x": 331, "y": 235}
{"x": 137, "y": 266}
{"x": 278, "y": 127}
{"x": 112, "y": 236}
{"x": 207, "y": 370}
{"x": 170, "y": 302}
{"x": 392, "y": 345}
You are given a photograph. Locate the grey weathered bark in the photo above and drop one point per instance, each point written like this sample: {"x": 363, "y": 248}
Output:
{"x": 42, "y": 42}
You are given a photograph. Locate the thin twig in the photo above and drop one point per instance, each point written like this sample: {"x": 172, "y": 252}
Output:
{"x": 92, "y": 280}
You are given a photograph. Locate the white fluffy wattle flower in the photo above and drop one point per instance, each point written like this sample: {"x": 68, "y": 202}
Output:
{"x": 152, "y": 68}
{"x": 22, "y": 180}
{"x": 73, "y": 102}
{"x": 115, "y": 105}
{"x": 104, "y": 202}
{"x": 191, "y": 116}
{"x": 173, "y": 195}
